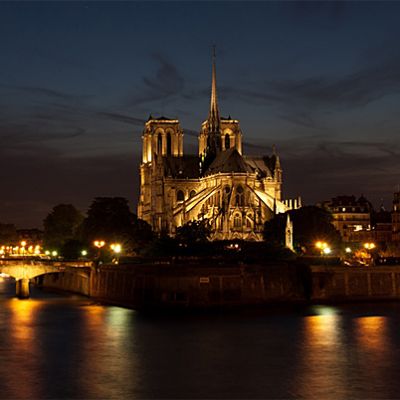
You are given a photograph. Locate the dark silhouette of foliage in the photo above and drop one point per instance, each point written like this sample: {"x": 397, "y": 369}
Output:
{"x": 61, "y": 225}
{"x": 71, "y": 249}
{"x": 110, "y": 219}
{"x": 194, "y": 232}
{"x": 310, "y": 224}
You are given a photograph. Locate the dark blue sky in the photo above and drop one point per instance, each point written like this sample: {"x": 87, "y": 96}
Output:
{"x": 321, "y": 80}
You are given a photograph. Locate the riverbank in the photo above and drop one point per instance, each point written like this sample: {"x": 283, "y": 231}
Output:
{"x": 141, "y": 286}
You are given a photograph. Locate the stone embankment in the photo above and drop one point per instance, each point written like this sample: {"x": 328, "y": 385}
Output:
{"x": 198, "y": 286}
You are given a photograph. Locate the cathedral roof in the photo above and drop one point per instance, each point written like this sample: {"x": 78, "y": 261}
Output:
{"x": 260, "y": 165}
{"x": 181, "y": 167}
{"x": 228, "y": 161}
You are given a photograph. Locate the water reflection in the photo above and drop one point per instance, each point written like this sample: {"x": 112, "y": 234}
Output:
{"x": 22, "y": 376}
{"x": 322, "y": 372}
{"x": 371, "y": 333}
{"x": 70, "y": 348}
{"x": 108, "y": 365}
{"x": 23, "y": 317}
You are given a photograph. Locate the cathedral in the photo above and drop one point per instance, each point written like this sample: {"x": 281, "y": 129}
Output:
{"x": 237, "y": 194}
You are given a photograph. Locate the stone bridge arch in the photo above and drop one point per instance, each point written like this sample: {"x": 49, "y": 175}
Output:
{"x": 23, "y": 271}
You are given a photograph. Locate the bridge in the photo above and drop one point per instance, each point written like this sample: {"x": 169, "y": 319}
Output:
{"x": 23, "y": 270}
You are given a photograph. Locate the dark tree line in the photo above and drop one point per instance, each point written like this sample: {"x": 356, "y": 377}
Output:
{"x": 108, "y": 219}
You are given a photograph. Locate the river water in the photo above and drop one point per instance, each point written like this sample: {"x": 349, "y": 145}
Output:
{"x": 69, "y": 347}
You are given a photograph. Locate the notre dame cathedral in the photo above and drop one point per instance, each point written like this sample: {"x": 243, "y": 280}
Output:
{"x": 236, "y": 193}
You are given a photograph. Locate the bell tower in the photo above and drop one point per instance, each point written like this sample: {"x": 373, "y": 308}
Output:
{"x": 161, "y": 137}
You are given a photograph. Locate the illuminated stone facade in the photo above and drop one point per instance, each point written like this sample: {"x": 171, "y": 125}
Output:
{"x": 351, "y": 217}
{"x": 236, "y": 193}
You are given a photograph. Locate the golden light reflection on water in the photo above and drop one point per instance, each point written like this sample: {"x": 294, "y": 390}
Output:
{"x": 321, "y": 371}
{"x": 22, "y": 336}
{"x": 107, "y": 338}
{"x": 371, "y": 332}
{"x": 23, "y": 315}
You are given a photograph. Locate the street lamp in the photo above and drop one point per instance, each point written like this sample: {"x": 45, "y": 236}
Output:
{"x": 99, "y": 244}
{"x": 323, "y": 247}
{"x": 23, "y": 244}
{"x": 369, "y": 246}
{"x": 116, "y": 248}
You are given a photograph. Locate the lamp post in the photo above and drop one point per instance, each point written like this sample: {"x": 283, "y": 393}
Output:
{"x": 323, "y": 248}
{"x": 23, "y": 244}
{"x": 99, "y": 244}
{"x": 369, "y": 246}
{"x": 116, "y": 248}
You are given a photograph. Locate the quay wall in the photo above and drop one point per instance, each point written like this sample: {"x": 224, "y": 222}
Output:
{"x": 170, "y": 285}
{"x": 66, "y": 281}
{"x": 341, "y": 283}
{"x": 201, "y": 286}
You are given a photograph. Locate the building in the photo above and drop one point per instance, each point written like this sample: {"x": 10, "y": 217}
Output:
{"x": 396, "y": 217}
{"x": 351, "y": 217}
{"x": 236, "y": 193}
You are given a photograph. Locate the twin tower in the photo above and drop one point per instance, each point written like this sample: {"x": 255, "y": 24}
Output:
{"x": 236, "y": 194}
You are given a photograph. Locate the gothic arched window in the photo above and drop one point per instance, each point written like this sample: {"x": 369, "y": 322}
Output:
{"x": 192, "y": 193}
{"x": 180, "y": 196}
{"x": 237, "y": 221}
{"x": 249, "y": 221}
{"x": 239, "y": 196}
{"x": 169, "y": 144}
{"x": 159, "y": 144}
{"x": 227, "y": 141}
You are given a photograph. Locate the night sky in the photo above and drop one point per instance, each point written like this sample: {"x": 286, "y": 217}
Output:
{"x": 320, "y": 80}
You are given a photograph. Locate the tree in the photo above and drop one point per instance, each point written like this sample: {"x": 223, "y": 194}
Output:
{"x": 110, "y": 219}
{"x": 61, "y": 225}
{"x": 310, "y": 224}
{"x": 194, "y": 232}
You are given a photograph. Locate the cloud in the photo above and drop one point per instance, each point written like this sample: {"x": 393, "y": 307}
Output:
{"x": 42, "y": 91}
{"x": 353, "y": 90}
{"x": 166, "y": 82}
{"x": 122, "y": 118}
{"x": 318, "y": 170}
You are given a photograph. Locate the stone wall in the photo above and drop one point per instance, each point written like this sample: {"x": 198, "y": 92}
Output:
{"x": 169, "y": 285}
{"x": 66, "y": 281}
{"x": 196, "y": 286}
{"x": 343, "y": 283}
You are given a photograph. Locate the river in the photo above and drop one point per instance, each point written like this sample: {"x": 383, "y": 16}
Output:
{"x": 69, "y": 347}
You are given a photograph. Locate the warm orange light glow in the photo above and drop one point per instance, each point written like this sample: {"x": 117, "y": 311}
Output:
{"x": 99, "y": 243}
{"x": 116, "y": 248}
{"x": 372, "y": 331}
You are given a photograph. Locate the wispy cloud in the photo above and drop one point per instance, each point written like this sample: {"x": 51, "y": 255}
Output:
{"x": 121, "y": 118}
{"x": 166, "y": 83}
{"x": 43, "y": 91}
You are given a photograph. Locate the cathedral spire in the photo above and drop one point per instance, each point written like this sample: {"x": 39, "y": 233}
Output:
{"x": 214, "y": 136}
{"x": 213, "y": 116}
